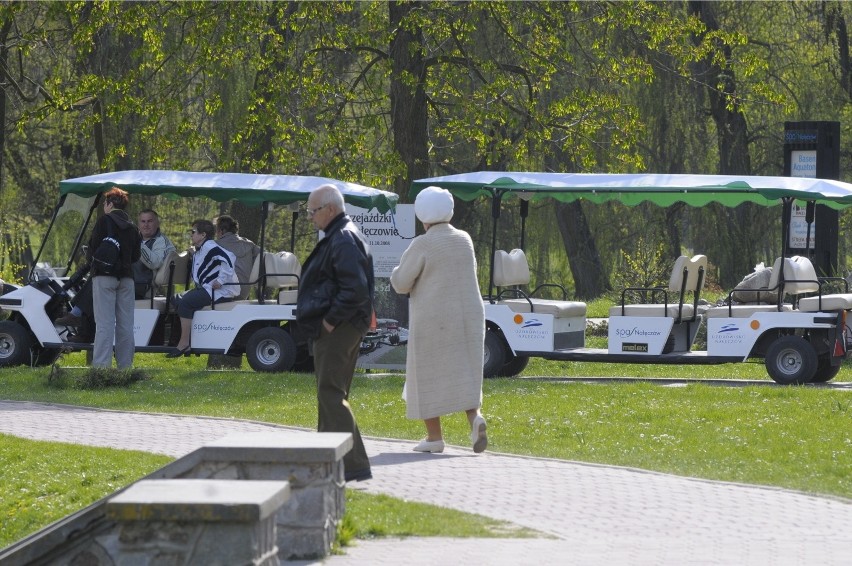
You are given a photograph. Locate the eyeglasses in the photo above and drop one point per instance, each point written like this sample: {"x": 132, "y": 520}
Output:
{"x": 193, "y": 231}
{"x": 312, "y": 211}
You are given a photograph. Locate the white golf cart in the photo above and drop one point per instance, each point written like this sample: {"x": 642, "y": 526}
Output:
{"x": 801, "y": 341}
{"x": 261, "y": 327}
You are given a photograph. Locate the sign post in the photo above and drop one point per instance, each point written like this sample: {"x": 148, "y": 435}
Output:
{"x": 812, "y": 150}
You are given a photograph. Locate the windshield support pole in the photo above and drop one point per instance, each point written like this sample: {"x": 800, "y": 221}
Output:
{"x": 525, "y": 211}
{"x": 810, "y": 210}
{"x": 261, "y": 272}
{"x": 293, "y": 230}
{"x": 495, "y": 214}
{"x": 786, "y": 210}
{"x": 41, "y": 247}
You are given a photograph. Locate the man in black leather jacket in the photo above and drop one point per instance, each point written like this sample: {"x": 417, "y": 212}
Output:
{"x": 334, "y": 309}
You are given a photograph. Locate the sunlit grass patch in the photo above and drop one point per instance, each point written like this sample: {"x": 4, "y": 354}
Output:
{"x": 44, "y": 481}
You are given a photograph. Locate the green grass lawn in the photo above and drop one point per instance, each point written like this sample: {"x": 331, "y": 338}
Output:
{"x": 793, "y": 437}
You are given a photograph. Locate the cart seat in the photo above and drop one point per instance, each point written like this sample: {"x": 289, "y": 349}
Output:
{"x": 559, "y": 309}
{"x": 744, "y": 311}
{"x": 511, "y": 270}
{"x": 826, "y": 303}
{"x": 159, "y": 304}
{"x": 282, "y": 271}
{"x": 799, "y": 277}
{"x": 687, "y": 311}
{"x": 687, "y": 278}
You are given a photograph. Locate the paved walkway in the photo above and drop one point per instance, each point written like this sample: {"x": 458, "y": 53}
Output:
{"x": 587, "y": 514}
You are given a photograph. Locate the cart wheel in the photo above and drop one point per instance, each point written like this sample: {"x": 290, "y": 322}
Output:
{"x": 304, "y": 360}
{"x": 514, "y": 366}
{"x": 791, "y": 360}
{"x": 495, "y": 355}
{"x": 825, "y": 371}
{"x": 271, "y": 349}
{"x": 46, "y": 356}
{"x": 15, "y": 344}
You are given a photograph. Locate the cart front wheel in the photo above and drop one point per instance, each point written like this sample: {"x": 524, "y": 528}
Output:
{"x": 15, "y": 344}
{"x": 514, "y": 365}
{"x": 495, "y": 355}
{"x": 791, "y": 360}
{"x": 271, "y": 349}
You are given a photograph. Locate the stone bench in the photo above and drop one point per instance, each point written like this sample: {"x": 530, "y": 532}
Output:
{"x": 313, "y": 465}
{"x": 197, "y": 522}
{"x": 305, "y": 525}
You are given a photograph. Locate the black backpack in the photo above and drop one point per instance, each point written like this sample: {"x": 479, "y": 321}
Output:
{"x": 107, "y": 258}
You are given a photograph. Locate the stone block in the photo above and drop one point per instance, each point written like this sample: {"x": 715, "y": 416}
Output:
{"x": 187, "y": 521}
{"x": 312, "y": 463}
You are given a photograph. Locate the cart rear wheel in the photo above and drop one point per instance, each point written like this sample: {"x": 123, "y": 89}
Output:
{"x": 514, "y": 365}
{"x": 825, "y": 371}
{"x": 271, "y": 349}
{"x": 15, "y": 344}
{"x": 791, "y": 360}
{"x": 495, "y": 355}
{"x": 46, "y": 356}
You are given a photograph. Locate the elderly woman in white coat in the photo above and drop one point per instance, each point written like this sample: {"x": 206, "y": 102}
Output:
{"x": 443, "y": 370}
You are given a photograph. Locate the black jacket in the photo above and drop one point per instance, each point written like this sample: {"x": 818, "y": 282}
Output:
{"x": 337, "y": 280}
{"x": 123, "y": 230}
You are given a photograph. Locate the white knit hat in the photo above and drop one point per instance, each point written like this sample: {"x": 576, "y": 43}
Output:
{"x": 433, "y": 205}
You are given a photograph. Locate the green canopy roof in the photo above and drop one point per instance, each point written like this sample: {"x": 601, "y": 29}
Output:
{"x": 633, "y": 189}
{"x": 247, "y": 188}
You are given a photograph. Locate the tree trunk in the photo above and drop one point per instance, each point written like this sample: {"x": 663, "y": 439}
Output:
{"x": 590, "y": 280}
{"x": 409, "y": 113}
{"x": 732, "y": 132}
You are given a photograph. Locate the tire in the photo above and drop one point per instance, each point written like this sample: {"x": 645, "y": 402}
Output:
{"x": 514, "y": 366}
{"x": 271, "y": 349}
{"x": 304, "y": 360}
{"x": 46, "y": 356}
{"x": 825, "y": 371}
{"x": 15, "y": 344}
{"x": 791, "y": 360}
{"x": 495, "y": 355}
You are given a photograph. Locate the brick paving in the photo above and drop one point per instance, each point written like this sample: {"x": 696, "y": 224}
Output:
{"x": 587, "y": 514}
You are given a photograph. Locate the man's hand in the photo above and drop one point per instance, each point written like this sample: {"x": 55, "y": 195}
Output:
{"x": 327, "y": 326}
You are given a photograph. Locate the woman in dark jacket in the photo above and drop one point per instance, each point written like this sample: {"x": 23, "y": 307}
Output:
{"x": 114, "y": 294}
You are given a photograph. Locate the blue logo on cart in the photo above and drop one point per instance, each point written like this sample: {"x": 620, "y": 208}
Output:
{"x": 728, "y": 328}
{"x": 531, "y": 322}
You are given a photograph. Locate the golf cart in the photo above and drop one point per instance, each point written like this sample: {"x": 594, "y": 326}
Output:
{"x": 260, "y": 327}
{"x": 800, "y": 341}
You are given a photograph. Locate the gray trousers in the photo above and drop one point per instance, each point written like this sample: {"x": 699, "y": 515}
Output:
{"x": 335, "y": 356}
{"x": 114, "y": 302}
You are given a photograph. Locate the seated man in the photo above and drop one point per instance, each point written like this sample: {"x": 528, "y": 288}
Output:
{"x": 155, "y": 249}
{"x": 227, "y": 230}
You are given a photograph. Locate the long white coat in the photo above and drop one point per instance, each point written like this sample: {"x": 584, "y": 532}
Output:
{"x": 446, "y": 323}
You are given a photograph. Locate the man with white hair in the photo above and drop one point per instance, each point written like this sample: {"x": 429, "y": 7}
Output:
{"x": 333, "y": 310}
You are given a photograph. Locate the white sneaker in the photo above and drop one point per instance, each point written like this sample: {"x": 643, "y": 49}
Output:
{"x": 433, "y": 446}
{"x": 477, "y": 434}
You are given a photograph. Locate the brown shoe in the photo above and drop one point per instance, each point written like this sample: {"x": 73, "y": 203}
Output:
{"x": 69, "y": 320}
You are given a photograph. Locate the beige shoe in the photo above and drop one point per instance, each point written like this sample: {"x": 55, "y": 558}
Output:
{"x": 477, "y": 434}
{"x": 434, "y": 446}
